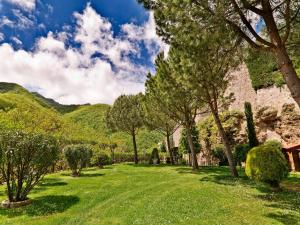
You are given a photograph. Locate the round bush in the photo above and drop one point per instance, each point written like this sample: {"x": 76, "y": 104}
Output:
{"x": 267, "y": 163}
{"x": 78, "y": 157}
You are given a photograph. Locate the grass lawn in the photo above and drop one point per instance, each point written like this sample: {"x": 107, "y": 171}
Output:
{"x": 128, "y": 194}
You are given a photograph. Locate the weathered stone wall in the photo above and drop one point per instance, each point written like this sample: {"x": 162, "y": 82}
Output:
{"x": 273, "y": 99}
{"x": 241, "y": 86}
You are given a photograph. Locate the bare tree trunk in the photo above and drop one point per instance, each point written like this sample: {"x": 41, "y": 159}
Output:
{"x": 136, "y": 160}
{"x": 112, "y": 154}
{"x": 192, "y": 148}
{"x": 169, "y": 148}
{"x": 225, "y": 141}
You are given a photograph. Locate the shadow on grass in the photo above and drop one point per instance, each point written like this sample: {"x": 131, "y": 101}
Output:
{"x": 43, "y": 206}
{"x": 151, "y": 165}
{"x": 83, "y": 174}
{"x": 287, "y": 201}
{"x": 52, "y": 182}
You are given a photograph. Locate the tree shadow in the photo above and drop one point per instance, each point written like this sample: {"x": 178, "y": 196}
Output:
{"x": 285, "y": 219}
{"x": 287, "y": 200}
{"x": 43, "y": 206}
{"x": 91, "y": 175}
{"x": 52, "y": 182}
{"x": 161, "y": 165}
{"x": 82, "y": 174}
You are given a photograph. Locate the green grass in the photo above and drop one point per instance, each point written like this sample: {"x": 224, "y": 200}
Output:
{"x": 128, "y": 194}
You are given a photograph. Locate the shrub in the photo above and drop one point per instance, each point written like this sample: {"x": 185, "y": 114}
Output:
{"x": 240, "y": 152}
{"x": 267, "y": 163}
{"x": 218, "y": 152}
{"x": 78, "y": 157}
{"x": 24, "y": 159}
{"x": 103, "y": 159}
{"x": 154, "y": 158}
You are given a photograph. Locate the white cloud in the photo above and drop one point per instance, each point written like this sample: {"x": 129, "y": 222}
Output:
{"x": 16, "y": 40}
{"x": 99, "y": 71}
{"x": 4, "y": 21}
{"x": 2, "y": 36}
{"x": 147, "y": 34}
{"x": 27, "y": 5}
{"x": 23, "y": 22}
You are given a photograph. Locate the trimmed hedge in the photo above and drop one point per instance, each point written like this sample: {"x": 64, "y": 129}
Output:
{"x": 267, "y": 163}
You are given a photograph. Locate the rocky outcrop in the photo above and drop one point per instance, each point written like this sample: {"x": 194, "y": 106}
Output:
{"x": 283, "y": 126}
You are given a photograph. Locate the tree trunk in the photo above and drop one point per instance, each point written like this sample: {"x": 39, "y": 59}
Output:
{"x": 136, "y": 161}
{"x": 192, "y": 148}
{"x": 225, "y": 141}
{"x": 169, "y": 148}
{"x": 289, "y": 73}
{"x": 112, "y": 152}
{"x": 284, "y": 62}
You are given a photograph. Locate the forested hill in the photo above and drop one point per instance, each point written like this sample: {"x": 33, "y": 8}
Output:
{"x": 22, "y": 109}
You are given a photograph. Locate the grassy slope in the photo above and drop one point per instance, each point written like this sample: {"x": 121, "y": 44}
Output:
{"x": 125, "y": 194}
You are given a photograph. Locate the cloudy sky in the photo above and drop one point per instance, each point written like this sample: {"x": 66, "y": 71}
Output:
{"x": 77, "y": 51}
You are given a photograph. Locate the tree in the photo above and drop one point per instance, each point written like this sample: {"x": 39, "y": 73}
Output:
{"x": 184, "y": 144}
{"x": 127, "y": 115}
{"x": 173, "y": 98}
{"x": 155, "y": 119}
{"x": 78, "y": 157}
{"x": 24, "y": 159}
{"x": 279, "y": 17}
{"x": 250, "y": 126}
{"x": 210, "y": 58}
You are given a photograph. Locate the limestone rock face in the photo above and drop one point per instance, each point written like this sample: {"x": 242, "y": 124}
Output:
{"x": 284, "y": 127}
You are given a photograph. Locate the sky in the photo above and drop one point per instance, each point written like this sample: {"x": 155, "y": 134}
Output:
{"x": 77, "y": 51}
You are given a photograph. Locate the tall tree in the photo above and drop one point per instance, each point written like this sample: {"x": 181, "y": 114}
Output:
{"x": 156, "y": 119}
{"x": 253, "y": 142}
{"x": 279, "y": 18}
{"x": 210, "y": 58}
{"x": 184, "y": 143}
{"x": 173, "y": 98}
{"x": 127, "y": 115}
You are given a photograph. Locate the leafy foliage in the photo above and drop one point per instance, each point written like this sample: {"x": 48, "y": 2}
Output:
{"x": 250, "y": 126}
{"x": 267, "y": 163}
{"x": 24, "y": 160}
{"x": 183, "y": 142}
{"x": 127, "y": 115}
{"x": 231, "y": 121}
{"x": 240, "y": 152}
{"x": 154, "y": 158}
{"x": 78, "y": 157}
{"x": 218, "y": 152}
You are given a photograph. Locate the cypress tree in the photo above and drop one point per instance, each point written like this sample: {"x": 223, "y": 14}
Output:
{"x": 250, "y": 126}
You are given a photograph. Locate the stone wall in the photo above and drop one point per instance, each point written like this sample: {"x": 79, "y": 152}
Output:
{"x": 271, "y": 100}
{"x": 241, "y": 86}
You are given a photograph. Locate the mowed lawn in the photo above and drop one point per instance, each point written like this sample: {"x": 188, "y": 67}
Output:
{"x": 128, "y": 194}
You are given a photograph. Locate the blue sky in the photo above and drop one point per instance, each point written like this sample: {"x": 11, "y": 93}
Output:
{"x": 102, "y": 47}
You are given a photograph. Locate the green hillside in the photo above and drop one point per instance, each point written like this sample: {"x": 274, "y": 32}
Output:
{"x": 22, "y": 109}
{"x": 91, "y": 116}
